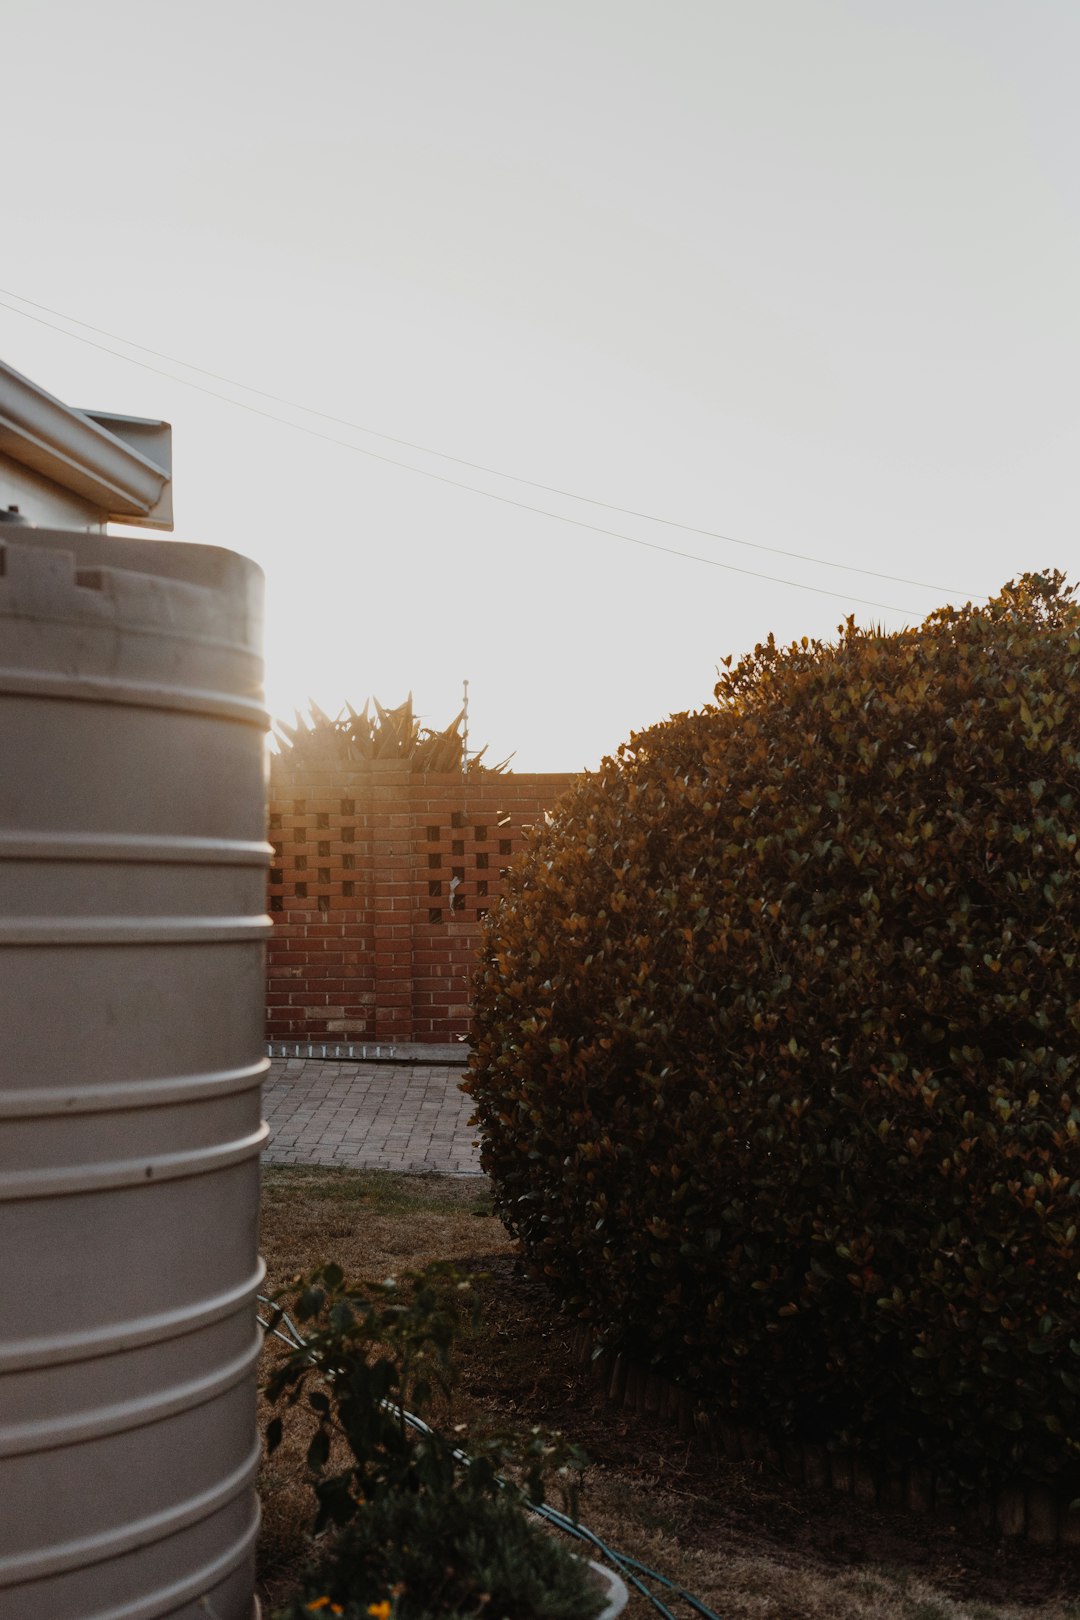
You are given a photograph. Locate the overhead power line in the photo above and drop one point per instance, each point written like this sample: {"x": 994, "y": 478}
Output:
{"x": 456, "y": 483}
{"x": 479, "y": 466}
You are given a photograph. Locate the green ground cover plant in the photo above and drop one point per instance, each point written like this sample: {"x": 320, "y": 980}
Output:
{"x": 412, "y": 1529}
{"x": 777, "y": 1042}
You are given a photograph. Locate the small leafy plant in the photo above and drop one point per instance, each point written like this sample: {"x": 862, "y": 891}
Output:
{"x": 412, "y": 1527}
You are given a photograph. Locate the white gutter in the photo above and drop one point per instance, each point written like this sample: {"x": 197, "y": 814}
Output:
{"x": 77, "y": 452}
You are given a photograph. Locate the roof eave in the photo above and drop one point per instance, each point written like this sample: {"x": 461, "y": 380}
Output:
{"x": 75, "y": 451}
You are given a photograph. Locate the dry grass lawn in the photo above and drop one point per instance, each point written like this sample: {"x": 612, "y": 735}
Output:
{"x": 749, "y": 1544}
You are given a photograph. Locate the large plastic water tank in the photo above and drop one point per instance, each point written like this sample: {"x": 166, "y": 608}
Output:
{"x": 132, "y": 857}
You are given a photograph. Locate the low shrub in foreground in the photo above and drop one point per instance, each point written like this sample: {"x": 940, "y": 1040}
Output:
{"x": 425, "y": 1557}
{"x": 409, "y": 1530}
{"x": 777, "y": 1042}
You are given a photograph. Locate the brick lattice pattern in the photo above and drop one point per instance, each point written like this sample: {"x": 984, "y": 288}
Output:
{"x": 379, "y": 884}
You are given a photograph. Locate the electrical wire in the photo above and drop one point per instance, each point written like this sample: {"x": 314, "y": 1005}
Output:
{"x": 487, "y": 494}
{"x": 630, "y": 1569}
{"x": 475, "y": 466}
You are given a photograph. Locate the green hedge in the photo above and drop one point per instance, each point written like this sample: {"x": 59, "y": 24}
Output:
{"x": 777, "y": 1040}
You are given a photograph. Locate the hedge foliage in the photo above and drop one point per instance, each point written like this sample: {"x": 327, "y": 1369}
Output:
{"x": 777, "y": 1042}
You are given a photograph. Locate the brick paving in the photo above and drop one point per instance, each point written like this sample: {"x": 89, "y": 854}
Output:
{"x": 369, "y": 1116}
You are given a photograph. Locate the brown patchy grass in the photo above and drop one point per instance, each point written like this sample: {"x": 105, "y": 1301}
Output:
{"x": 749, "y": 1543}
{"x": 374, "y": 1223}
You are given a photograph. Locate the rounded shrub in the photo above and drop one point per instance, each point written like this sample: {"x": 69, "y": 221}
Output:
{"x": 777, "y": 1042}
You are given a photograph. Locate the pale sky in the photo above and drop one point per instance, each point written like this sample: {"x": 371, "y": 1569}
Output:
{"x": 803, "y": 272}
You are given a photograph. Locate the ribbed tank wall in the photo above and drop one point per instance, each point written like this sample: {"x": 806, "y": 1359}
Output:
{"x": 132, "y": 872}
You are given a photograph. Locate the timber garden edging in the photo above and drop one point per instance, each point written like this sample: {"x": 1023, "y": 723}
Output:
{"x": 1022, "y": 1512}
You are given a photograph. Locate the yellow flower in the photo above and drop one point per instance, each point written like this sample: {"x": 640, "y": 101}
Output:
{"x": 381, "y": 1611}
{"x": 319, "y": 1603}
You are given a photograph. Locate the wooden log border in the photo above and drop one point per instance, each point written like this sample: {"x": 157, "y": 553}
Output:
{"x": 1023, "y": 1512}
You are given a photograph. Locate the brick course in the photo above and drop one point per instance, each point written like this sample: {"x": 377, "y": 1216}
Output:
{"x": 378, "y": 886}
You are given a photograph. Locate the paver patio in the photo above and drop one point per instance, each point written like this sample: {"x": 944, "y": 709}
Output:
{"x": 370, "y": 1116}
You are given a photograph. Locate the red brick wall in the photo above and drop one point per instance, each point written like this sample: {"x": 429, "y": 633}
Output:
{"x": 373, "y": 940}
